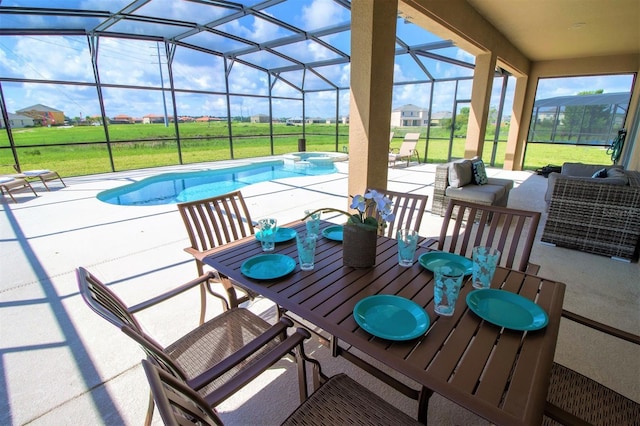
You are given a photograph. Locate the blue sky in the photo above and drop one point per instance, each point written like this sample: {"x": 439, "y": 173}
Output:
{"x": 136, "y": 63}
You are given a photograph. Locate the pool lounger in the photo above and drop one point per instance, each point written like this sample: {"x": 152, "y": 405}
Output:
{"x": 10, "y": 184}
{"x": 43, "y": 175}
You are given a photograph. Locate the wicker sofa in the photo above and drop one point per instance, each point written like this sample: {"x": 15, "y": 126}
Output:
{"x": 598, "y": 215}
{"x": 495, "y": 192}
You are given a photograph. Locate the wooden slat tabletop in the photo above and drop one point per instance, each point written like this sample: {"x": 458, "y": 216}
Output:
{"x": 499, "y": 374}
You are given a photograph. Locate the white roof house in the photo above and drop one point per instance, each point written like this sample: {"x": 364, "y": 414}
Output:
{"x": 409, "y": 116}
{"x": 17, "y": 120}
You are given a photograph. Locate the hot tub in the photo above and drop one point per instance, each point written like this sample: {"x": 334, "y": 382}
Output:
{"x": 313, "y": 158}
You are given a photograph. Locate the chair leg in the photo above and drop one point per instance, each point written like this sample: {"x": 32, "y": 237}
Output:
{"x": 150, "y": 407}
{"x": 423, "y": 404}
{"x": 302, "y": 373}
{"x": 203, "y": 293}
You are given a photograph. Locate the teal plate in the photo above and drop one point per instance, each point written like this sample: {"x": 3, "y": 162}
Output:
{"x": 333, "y": 232}
{"x": 433, "y": 259}
{"x": 506, "y": 309}
{"x": 268, "y": 266}
{"x": 282, "y": 235}
{"x": 391, "y": 317}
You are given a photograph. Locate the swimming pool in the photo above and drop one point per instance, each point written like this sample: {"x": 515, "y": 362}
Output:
{"x": 171, "y": 188}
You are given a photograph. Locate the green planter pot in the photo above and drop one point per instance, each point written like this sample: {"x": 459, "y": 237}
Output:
{"x": 359, "y": 246}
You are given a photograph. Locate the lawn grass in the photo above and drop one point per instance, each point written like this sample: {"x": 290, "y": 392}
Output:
{"x": 82, "y": 150}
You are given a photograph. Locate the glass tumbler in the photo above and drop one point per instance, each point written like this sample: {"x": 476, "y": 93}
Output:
{"x": 268, "y": 228}
{"x": 448, "y": 280}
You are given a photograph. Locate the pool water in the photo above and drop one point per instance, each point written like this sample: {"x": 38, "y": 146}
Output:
{"x": 171, "y": 188}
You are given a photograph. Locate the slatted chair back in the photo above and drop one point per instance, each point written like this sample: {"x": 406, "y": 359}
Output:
{"x": 216, "y": 221}
{"x": 407, "y": 208}
{"x": 109, "y": 306}
{"x": 177, "y": 403}
{"x": 467, "y": 225}
{"x": 103, "y": 301}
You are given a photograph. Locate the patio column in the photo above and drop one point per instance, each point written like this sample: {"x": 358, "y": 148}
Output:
{"x": 514, "y": 153}
{"x": 373, "y": 34}
{"x": 480, "y": 103}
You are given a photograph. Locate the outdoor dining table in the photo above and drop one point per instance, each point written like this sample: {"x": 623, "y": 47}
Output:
{"x": 498, "y": 373}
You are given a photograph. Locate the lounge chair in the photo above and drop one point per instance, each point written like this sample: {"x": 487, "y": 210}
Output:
{"x": 43, "y": 175}
{"x": 10, "y": 184}
{"x": 407, "y": 150}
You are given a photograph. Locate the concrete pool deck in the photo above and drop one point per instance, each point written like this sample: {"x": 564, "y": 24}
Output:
{"x": 62, "y": 364}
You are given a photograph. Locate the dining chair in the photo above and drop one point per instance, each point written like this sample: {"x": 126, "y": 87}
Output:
{"x": 211, "y": 223}
{"x": 338, "y": 400}
{"x": 467, "y": 225}
{"x": 574, "y": 399}
{"x": 207, "y": 357}
{"x": 408, "y": 210}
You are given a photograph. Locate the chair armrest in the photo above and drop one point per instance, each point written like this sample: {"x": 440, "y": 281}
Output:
{"x": 240, "y": 355}
{"x": 171, "y": 293}
{"x": 621, "y": 334}
{"x": 563, "y": 417}
{"x": 532, "y": 269}
{"x": 253, "y": 370}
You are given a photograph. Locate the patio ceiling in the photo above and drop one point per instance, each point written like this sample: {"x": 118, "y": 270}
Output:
{"x": 546, "y": 30}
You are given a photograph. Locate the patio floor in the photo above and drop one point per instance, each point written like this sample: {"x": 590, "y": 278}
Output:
{"x": 61, "y": 364}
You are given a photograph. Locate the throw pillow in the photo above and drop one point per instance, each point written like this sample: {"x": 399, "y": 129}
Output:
{"x": 602, "y": 173}
{"x": 617, "y": 173}
{"x": 460, "y": 173}
{"x": 479, "y": 172}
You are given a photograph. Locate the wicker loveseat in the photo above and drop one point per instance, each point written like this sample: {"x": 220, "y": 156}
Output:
{"x": 456, "y": 180}
{"x": 598, "y": 215}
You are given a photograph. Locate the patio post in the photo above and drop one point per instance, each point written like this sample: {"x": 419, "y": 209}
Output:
{"x": 483, "y": 76}
{"x": 373, "y": 33}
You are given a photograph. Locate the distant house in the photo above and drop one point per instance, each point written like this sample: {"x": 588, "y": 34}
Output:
{"x": 43, "y": 115}
{"x": 295, "y": 121}
{"x": 260, "y": 118}
{"x": 155, "y": 118}
{"x": 437, "y": 117}
{"x": 409, "y": 116}
{"x": 17, "y": 121}
{"x": 122, "y": 119}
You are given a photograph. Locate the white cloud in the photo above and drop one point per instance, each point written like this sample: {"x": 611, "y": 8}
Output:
{"x": 322, "y": 13}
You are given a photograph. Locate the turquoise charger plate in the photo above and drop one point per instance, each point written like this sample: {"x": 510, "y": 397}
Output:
{"x": 506, "y": 309}
{"x": 333, "y": 232}
{"x": 282, "y": 235}
{"x": 268, "y": 266}
{"x": 434, "y": 259}
{"x": 391, "y": 317}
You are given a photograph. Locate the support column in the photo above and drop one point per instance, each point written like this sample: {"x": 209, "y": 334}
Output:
{"x": 514, "y": 154}
{"x": 480, "y": 103}
{"x": 373, "y": 33}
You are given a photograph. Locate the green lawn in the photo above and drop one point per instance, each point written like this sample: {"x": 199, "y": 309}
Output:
{"x": 82, "y": 150}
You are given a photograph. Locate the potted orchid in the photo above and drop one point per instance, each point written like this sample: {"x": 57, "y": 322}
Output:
{"x": 361, "y": 229}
